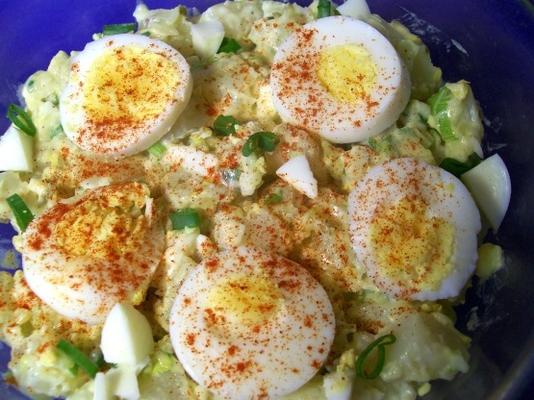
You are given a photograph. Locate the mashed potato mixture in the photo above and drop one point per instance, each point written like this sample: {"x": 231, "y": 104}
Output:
{"x": 259, "y": 201}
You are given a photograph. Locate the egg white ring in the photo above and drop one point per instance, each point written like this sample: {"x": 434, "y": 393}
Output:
{"x": 82, "y": 287}
{"x": 73, "y": 116}
{"x": 336, "y": 121}
{"x": 446, "y": 197}
{"x": 273, "y": 370}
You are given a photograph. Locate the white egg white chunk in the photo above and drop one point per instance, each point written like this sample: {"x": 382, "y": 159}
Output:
{"x": 297, "y": 173}
{"x": 126, "y": 337}
{"x": 489, "y": 183}
{"x": 102, "y": 389}
{"x": 250, "y": 325}
{"x": 354, "y": 8}
{"x": 341, "y": 78}
{"x": 207, "y": 37}
{"x": 83, "y": 256}
{"x": 16, "y": 151}
{"x": 414, "y": 229}
{"x": 123, "y": 94}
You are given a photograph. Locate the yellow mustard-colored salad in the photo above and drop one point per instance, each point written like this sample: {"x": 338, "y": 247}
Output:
{"x": 259, "y": 201}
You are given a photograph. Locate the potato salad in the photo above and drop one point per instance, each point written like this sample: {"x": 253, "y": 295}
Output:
{"x": 257, "y": 201}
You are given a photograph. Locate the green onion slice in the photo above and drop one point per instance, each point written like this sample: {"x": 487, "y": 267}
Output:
{"x": 378, "y": 345}
{"x": 78, "y": 357}
{"x": 260, "y": 142}
{"x": 21, "y": 119}
{"x": 118, "y": 28}
{"x": 458, "y": 168}
{"x": 74, "y": 369}
{"x": 20, "y": 210}
{"x": 157, "y": 150}
{"x": 185, "y": 218}
{"x": 224, "y": 125}
{"x": 229, "y": 45}
{"x": 325, "y": 8}
{"x": 274, "y": 198}
{"x": 56, "y": 131}
{"x": 439, "y": 106}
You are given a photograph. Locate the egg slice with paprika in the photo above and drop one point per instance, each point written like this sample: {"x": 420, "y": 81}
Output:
{"x": 248, "y": 325}
{"x": 123, "y": 94}
{"x": 339, "y": 77}
{"x": 83, "y": 256}
{"x": 414, "y": 229}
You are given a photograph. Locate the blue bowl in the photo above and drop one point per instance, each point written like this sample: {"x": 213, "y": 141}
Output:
{"x": 489, "y": 43}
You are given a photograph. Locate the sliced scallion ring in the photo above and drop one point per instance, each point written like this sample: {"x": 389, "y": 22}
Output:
{"x": 20, "y": 210}
{"x": 185, "y": 218}
{"x": 378, "y": 345}
{"x": 260, "y": 142}
{"x": 78, "y": 357}
{"x": 115, "y": 29}
{"x": 21, "y": 119}
{"x": 229, "y": 45}
{"x": 325, "y": 8}
{"x": 458, "y": 168}
{"x": 157, "y": 150}
{"x": 274, "y": 198}
{"x": 224, "y": 125}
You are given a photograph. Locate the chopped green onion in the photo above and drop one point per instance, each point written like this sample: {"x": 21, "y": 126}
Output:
{"x": 185, "y": 218}
{"x": 157, "y": 150}
{"x": 274, "y": 198}
{"x": 20, "y": 210}
{"x": 439, "y": 106}
{"x": 224, "y": 125}
{"x": 146, "y": 33}
{"x": 56, "y": 131}
{"x": 229, "y": 45}
{"x": 260, "y": 142}
{"x": 458, "y": 168}
{"x": 21, "y": 119}
{"x": 78, "y": 357}
{"x": 74, "y": 369}
{"x": 379, "y": 344}
{"x": 438, "y": 102}
{"x": 325, "y": 8}
{"x": 118, "y": 28}
{"x": 30, "y": 84}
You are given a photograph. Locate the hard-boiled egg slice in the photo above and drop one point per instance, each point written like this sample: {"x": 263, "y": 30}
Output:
{"x": 247, "y": 324}
{"x": 123, "y": 94}
{"x": 341, "y": 78}
{"x": 489, "y": 183}
{"x": 84, "y": 256}
{"x": 414, "y": 229}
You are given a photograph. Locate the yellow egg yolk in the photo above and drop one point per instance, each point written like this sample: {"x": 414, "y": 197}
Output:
{"x": 348, "y": 72}
{"x": 244, "y": 301}
{"x": 410, "y": 246}
{"x": 105, "y": 227}
{"x": 127, "y": 86}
